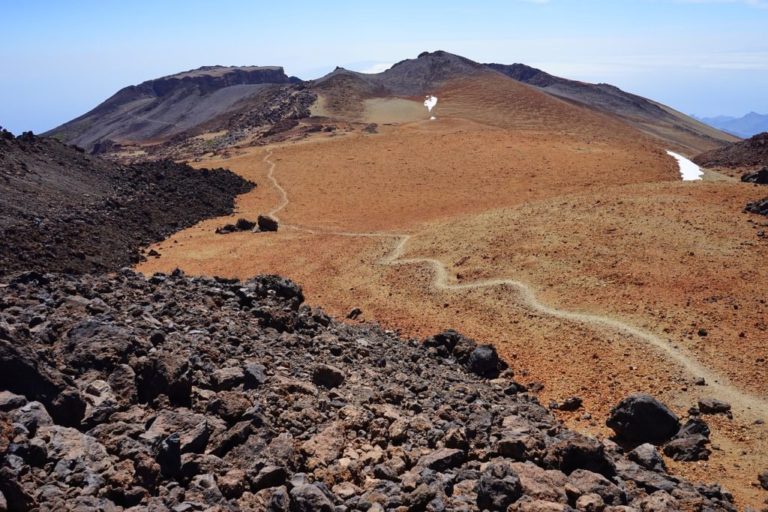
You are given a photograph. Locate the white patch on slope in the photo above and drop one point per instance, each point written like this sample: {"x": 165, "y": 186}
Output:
{"x": 430, "y": 103}
{"x": 689, "y": 171}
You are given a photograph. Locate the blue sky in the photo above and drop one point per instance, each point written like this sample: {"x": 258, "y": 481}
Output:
{"x": 60, "y": 59}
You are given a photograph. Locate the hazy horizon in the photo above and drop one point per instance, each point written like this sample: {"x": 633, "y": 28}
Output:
{"x": 701, "y": 57}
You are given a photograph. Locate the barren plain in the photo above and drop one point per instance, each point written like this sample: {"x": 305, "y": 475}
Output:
{"x": 563, "y": 237}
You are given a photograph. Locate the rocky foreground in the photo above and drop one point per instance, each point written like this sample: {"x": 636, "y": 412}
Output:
{"x": 172, "y": 393}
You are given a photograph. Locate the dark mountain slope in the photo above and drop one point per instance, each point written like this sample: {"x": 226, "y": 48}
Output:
{"x": 750, "y": 153}
{"x": 63, "y": 210}
{"x": 159, "y": 109}
{"x": 646, "y": 115}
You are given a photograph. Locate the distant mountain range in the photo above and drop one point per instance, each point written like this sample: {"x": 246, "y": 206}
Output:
{"x": 745, "y": 126}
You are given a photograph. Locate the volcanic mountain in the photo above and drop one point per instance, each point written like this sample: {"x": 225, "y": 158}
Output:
{"x": 647, "y": 115}
{"x": 225, "y": 106}
{"x": 159, "y": 109}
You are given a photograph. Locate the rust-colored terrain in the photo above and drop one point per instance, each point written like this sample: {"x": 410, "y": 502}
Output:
{"x": 560, "y": 234}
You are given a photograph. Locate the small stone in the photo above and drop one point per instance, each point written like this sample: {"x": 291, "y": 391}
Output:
{"x": 309, "y": 498}
{"x": 714, "y": 406}
{"x": 169, "y": 456}
{"x": 227, "y": 378}
{"x": 763, "y": 479}
{"x": 442, "y": 459}
{"x": 255, "y": 375}
{"x": 571, "y": 404}
{"x": 499, "y": 486}
{"x": 327, "y": 376}
{"x": 648, "y": 456}
{"x": 10, "y": 401}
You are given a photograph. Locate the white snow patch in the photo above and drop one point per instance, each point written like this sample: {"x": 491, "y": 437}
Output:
{"x": 430, "y": 102}
{"x": 689, "y": 171}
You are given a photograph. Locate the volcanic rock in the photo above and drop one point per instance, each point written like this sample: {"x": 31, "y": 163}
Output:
{"x": 484, "y": 361}
{"x": 648, "y": 456}
{"x": 223, "y": 412}
{"x": 688, "y": 448}
{"x": 763, "y": 479}
{"x": 498, "y": 487}
{"x": 714, "y": 406}
{"x": 759, "y": 207}
{"x": 643, "y": 419}
{"x": 266, "y": 223}
{"x": 759, "y": 177}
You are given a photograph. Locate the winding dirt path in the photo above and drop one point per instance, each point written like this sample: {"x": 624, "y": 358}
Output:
{"x": 442, "y": 280}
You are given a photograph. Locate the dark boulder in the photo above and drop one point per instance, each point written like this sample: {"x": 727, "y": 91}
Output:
{"x": 499, "y": 486}
{"x": 714, "y": 406}
{"x": 763, "y": 479}
{"x": 226, "y": 229}
{"x": 451, "y": 344}
{"x": 649, "y": 457}
{"x": 327, "y": 376}
{"x": 643, "y": 419}
{"x": 573, "y": 403}
{"x": 574, "y": 451}
{"x": 164, "y": 374}
{"x": 759, "y": 207}
{"x": 694, "y": 426}
{"x": 759, "y": 177}
{"x": 688, "y": 448}
{"x": 266, "y": 223}
{"x": 244, "y": 225}
{"x": 22, "y": 373}
{"x": 96, "y": 344}
{"x": 485, "y": 362}
{"x": 310, "y": 498}
{"x": 168, "y": 456}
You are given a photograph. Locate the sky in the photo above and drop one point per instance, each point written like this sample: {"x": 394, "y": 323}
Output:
{"x": 60, "y": 59}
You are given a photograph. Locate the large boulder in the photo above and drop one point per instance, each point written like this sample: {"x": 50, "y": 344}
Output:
{"x": 310, "y": 498}
{"x": 759, "y": 177}
{"x": 714, "y": 406}
{"x": 266, "y": 223}
{"x": 485, "y": 362}
{"x": 22, "y": 373}
{"x": 498, "y": 487}
{"x": 641, "y": 419}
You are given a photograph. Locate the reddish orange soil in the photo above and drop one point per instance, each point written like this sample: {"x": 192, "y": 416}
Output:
{"x": 594, "y": 220}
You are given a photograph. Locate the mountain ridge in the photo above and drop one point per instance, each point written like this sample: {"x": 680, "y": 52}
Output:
{"x": 166, "y": 106}
{"x": 209, "y": 98}
{"x": 647, "y": 115}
